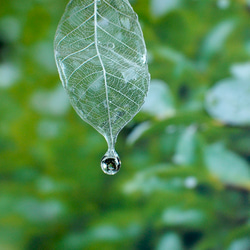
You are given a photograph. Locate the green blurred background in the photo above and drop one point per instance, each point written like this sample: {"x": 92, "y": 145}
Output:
{"x": 185, "y": 178}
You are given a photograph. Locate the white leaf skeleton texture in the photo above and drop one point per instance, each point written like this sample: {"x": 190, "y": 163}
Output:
{"x": 101, "y": 57}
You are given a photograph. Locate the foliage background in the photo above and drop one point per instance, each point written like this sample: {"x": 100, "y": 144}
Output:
{"x": 184, "y": 182}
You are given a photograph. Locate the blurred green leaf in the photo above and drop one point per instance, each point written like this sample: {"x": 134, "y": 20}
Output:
{"x": 216, "y": 38}
{"x": 229, "y": 100}
{"x": 10, "y": 28}
{"x": 167, "y": 178}
{"x": 9, "y": 73}
{"x": 170, "y": 241}
{"x": 137, "y": 132}
{"x": 180, "y": 60}
{"x": 159, "y": 102}
{"x": 229, "y": 167}
{"x": 175, "y": 216}
{"x": 162, "y": 7}
{"x": 99, "y": 234}
{"x": 53, "y": 102}
{"x": 240, "y": 244}
{"x": 37, "y": 211}
{"x": 43, "y": 54}
{"x": 179, "y": 119}
{"x": 149, "y": 183}
{"x": 223, "y": 4}
{"x": 185, "y": 151}
{"x": 241, "y": 71}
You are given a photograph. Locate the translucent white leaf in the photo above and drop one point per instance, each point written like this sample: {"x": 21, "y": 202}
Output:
{"x": 101, "y": 57}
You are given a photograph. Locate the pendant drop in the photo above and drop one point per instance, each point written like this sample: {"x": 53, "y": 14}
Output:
{"x": 110, "y": 163}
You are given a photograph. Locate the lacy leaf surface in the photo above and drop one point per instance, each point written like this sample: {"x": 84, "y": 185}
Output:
{"x": 101, "y": 57}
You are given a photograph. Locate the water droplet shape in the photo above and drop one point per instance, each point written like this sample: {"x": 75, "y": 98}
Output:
{"x": 110, "y": 163}
{"x": 111, "y": 45}
{"x": 144, "y": 58}
{"x": 100, "y": 55}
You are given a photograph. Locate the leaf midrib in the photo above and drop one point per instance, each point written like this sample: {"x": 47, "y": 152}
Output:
{"x": 104, "y": 73}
